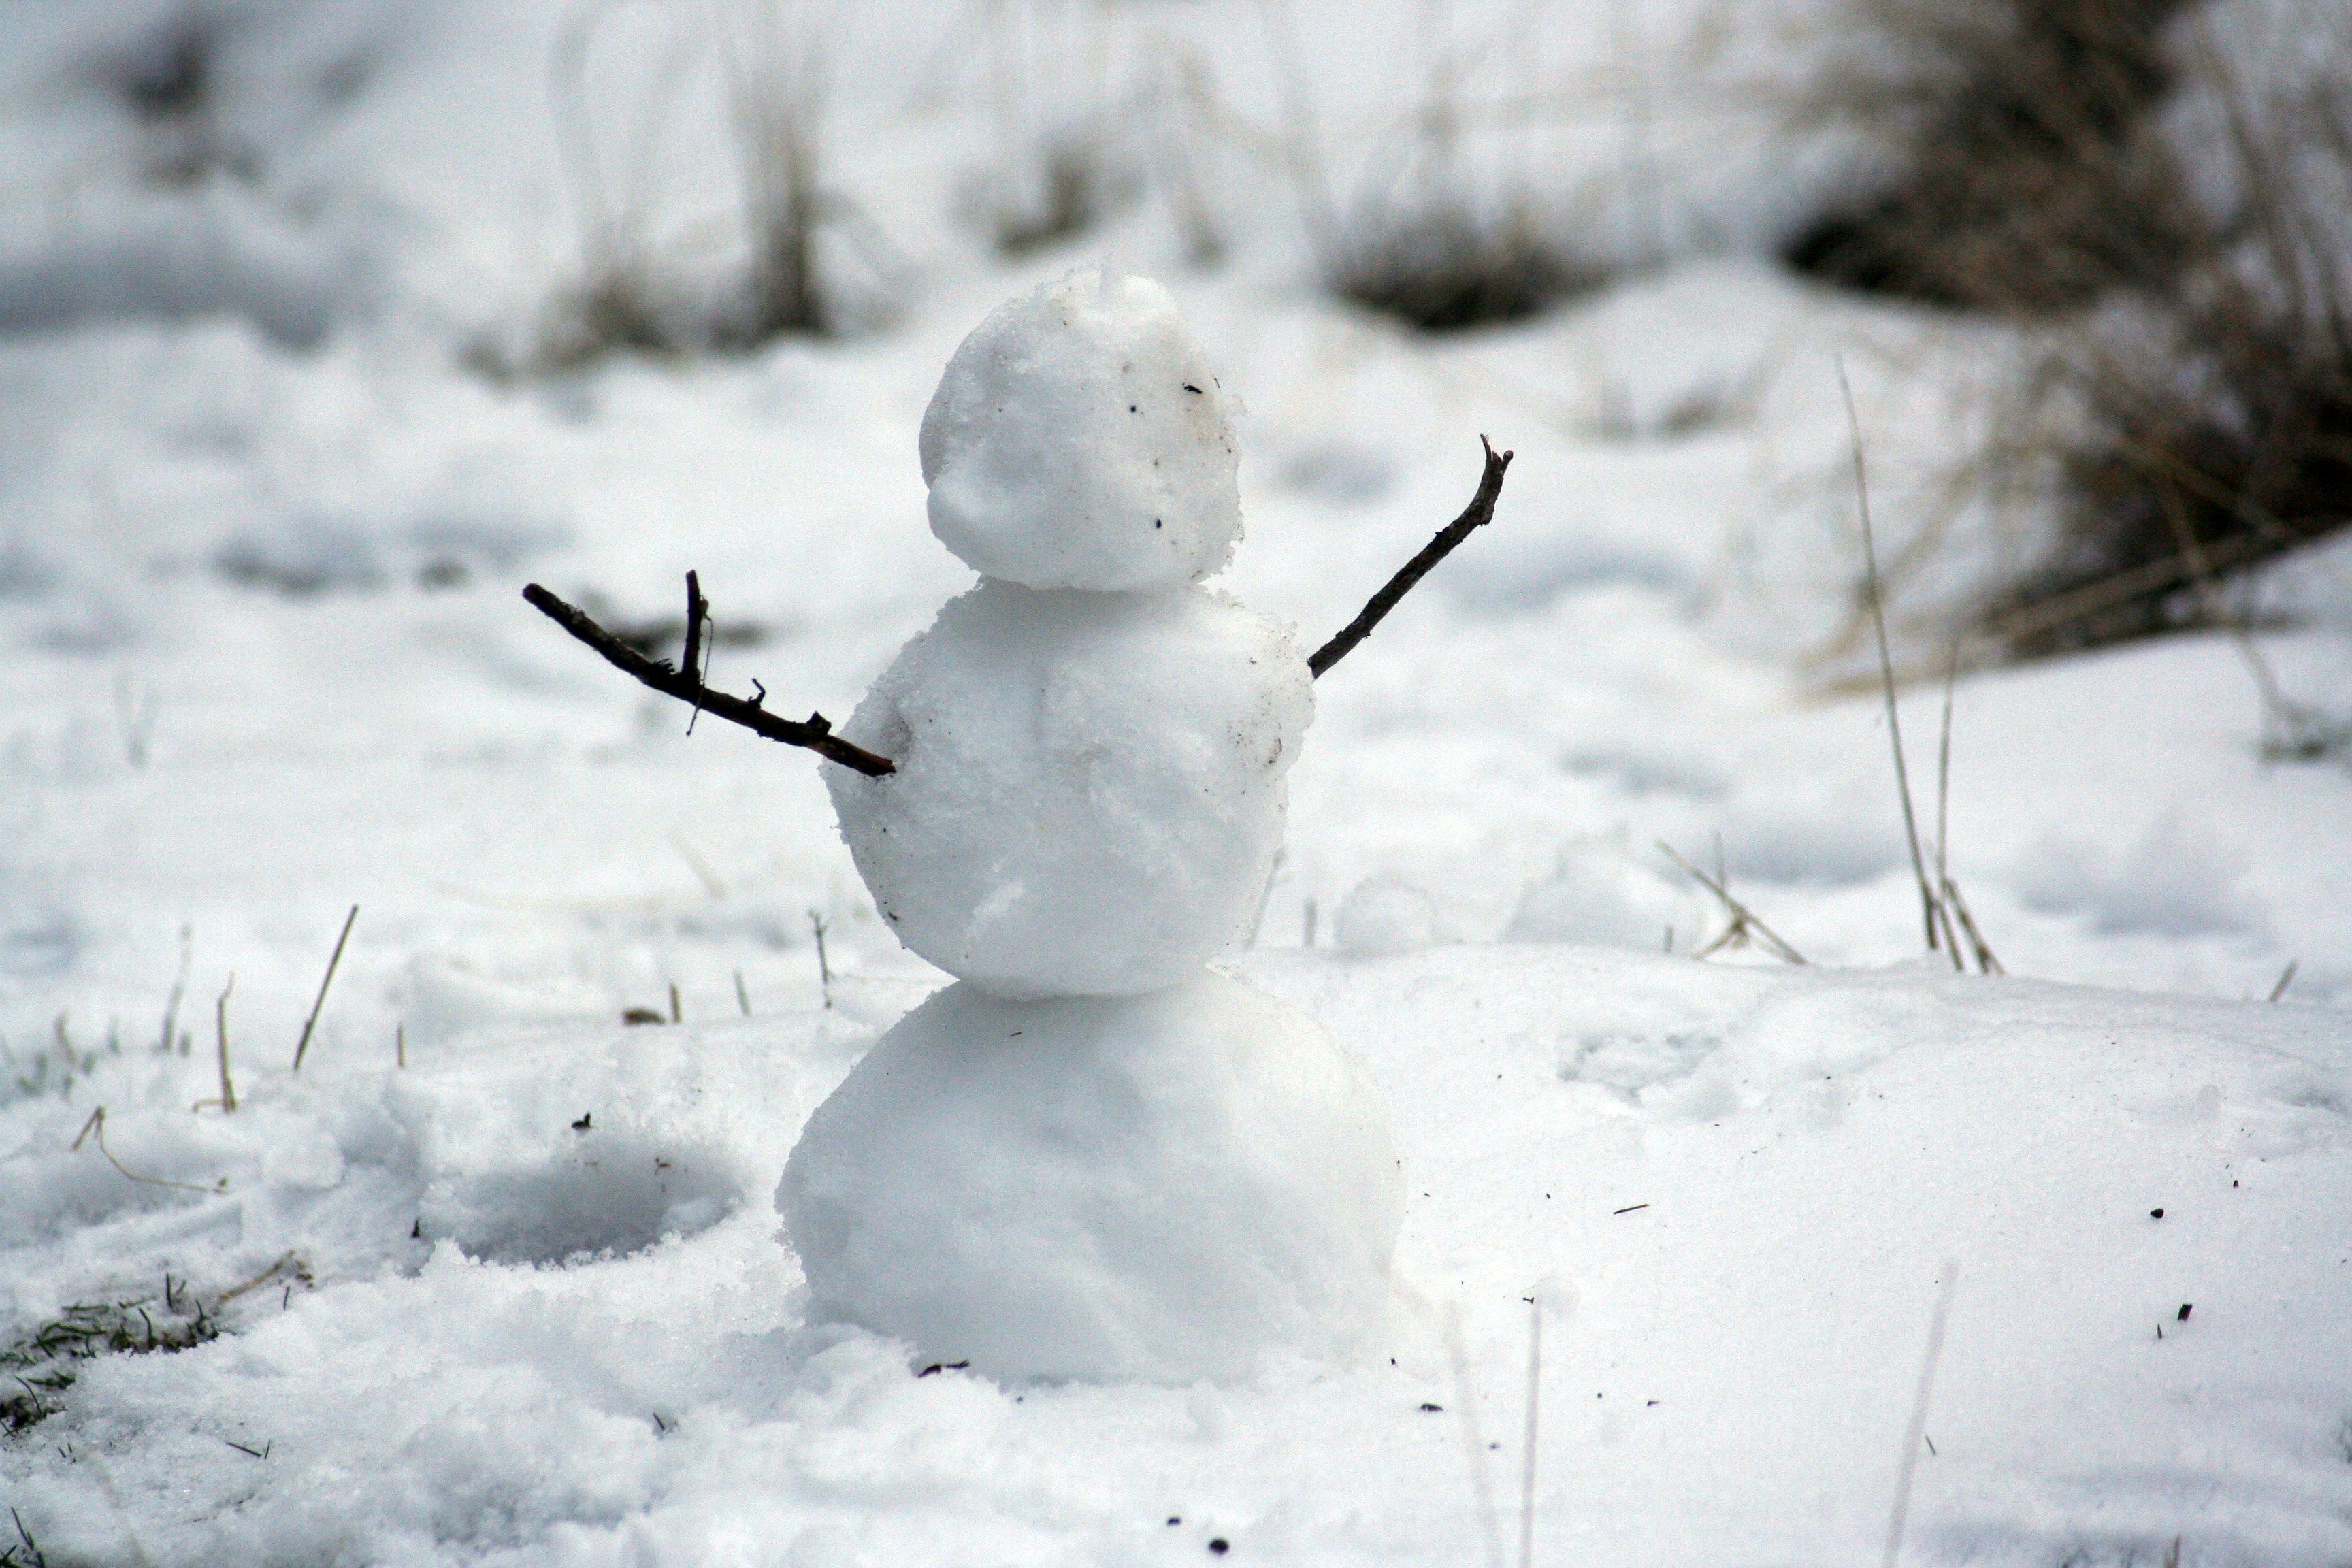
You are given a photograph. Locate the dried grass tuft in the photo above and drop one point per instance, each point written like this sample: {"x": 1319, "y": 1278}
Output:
{"x": 2021, "y": 181}
{"x": 2195, "y": 431}
{"x": 2170, "y": 232}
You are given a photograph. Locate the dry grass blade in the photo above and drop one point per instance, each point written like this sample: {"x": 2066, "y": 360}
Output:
{"x": 288, "y": 1266}
{"x": 824, "y": 964}
{"x": 1885, "y": 659}
{"x": 312, "y": 1022}
{"x": 1466, "y": 1401}
{"x": 1916, "y": 1430}
{"x": 227, "y": 1100}
{"x": 1986, "y": 962}
{"x": 1527, "y": 1438}
{"x": 1743, "y": 921}
{"x": 2285, "y": 979}
{"x": 1944, "y": 813}
{"x": 179, "y": 989}
{"x": 95, "y": 1128}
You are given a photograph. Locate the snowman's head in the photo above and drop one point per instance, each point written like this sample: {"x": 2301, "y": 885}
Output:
{"x": 1078, "y": 440}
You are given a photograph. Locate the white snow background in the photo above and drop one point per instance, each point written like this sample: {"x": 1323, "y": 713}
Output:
{"x": 263, "y": 519}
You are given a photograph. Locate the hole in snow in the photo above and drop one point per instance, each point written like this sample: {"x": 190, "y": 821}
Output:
{"x": 610, "y": 1197}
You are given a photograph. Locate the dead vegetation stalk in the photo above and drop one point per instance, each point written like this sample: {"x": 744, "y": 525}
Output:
{"x": 1528, "y": 1436}
{"x": 179, "y": 989}
{"x": 1745, "y": 926}
{"x": 312, "y": 1023}
{"x": 1885, "y": 659}
{"x": 1465, "y": 1400}
{"x": 96, "y": 1127}
{"x": 824, "y": 965}
{"x": 227, "y": 1100}
{"x": 1916, "y": 1430}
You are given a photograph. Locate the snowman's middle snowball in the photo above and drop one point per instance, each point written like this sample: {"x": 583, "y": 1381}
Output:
{"x": 1089, "y": 787}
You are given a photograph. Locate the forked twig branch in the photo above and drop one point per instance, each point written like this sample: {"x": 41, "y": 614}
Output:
{"x": 815, "y": 732}
{"x": 1479, "y": 513}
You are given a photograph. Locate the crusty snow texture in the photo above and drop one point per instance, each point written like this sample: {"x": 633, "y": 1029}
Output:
{"x": 1078, "y": 440}
{"x": 1156, "y": 1187}
{"x": 1089, "y": 787}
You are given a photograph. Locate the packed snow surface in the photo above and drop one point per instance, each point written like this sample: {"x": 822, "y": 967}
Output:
{"x": 1731, "y": 1192}
{"x": 1166, "y": 1187}
{"x": 1079, "y": 439}
{"x": 1089, "y": 788}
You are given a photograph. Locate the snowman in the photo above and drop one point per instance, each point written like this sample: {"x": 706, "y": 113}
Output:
{"x": 1092, "y": 1156}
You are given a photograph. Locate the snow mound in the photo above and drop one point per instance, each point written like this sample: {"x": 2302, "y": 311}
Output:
{"x": 1386, "y": 916}
{"x": 1601, "y": 894}
{"x": 1089, "y": 790}
{"x": 1078, "y": 440}
{"x": 1159, "y": 1187}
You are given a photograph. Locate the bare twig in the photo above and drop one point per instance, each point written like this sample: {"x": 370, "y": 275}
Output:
{"x": 312, "y": 1022}
{"x": 96, "y": 1127}
{"x": 1885, "y": 660}
{"x": 1480, "y": 511}
{"x": 696, "y": 609}
{"x": 2285, "y": 979}
{"x": 742, "y": 997}
{"x": 815, "y": 732}
{"x": 1916, "y": 1432}
{"x": 1744, "y": 920}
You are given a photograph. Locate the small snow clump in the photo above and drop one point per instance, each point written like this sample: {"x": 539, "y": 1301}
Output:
{"x": 1385, "y": 916}
{"x": 1159, "y": 1187}
{"x": 1078, "y": 440}
{"x": 1089, "y": 787}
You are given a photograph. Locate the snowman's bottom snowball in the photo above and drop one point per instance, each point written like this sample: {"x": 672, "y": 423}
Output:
{"x": 1156, "y": 1187}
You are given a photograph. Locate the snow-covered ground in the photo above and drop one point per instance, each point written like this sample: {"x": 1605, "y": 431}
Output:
{"x": 262, "y": 536}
